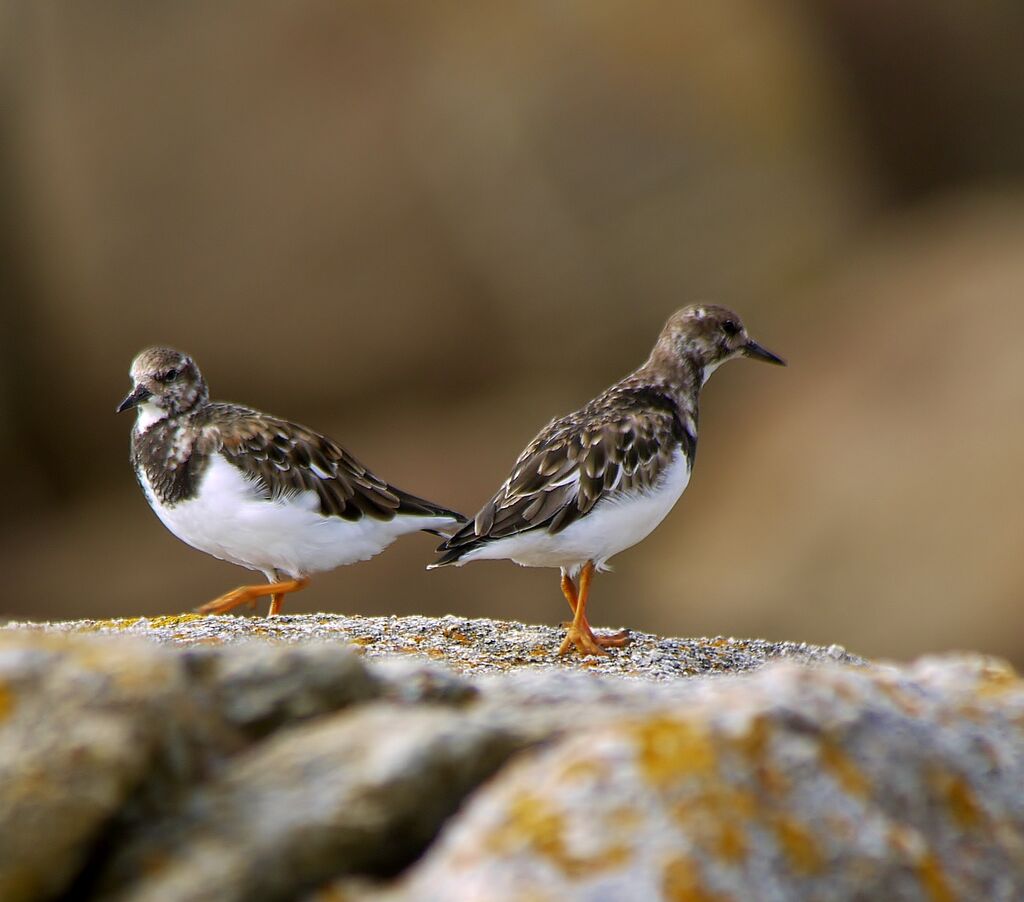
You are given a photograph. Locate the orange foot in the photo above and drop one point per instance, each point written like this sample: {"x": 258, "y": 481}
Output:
{"x": 579, "y": 634}
{"x": 248, "y": 595}
{"x": 587, "y": 642}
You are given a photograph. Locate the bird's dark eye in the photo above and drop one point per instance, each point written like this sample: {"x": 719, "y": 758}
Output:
{"x": 730, "y": 327}
{"x": 169, "y": 376}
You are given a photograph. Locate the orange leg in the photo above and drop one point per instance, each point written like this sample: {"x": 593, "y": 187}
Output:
{"x": 249, "y": 594}
{"x": 579, "y": 633}
{"x": 569, "y": 591}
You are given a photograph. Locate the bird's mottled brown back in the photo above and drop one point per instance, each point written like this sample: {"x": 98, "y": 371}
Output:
{"x": 618, "y": 444}
{"x": 286, "y": 458}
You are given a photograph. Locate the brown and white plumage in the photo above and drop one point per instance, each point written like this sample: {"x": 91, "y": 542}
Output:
{"x": 600, "y": 479}
{"x": 614, "y": 448}
{"x": 257, "y": 490}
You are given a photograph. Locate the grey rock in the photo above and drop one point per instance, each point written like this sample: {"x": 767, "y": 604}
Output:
{"x": 101, "y": 735}
{"x": 236, "y": 758}
{"x": 359, "y": 793}
{"x": 468, "y": 645}
{"x": 258, "y": 687}
{"x": 788, "y": 784}
{"x": 83, "y": 725}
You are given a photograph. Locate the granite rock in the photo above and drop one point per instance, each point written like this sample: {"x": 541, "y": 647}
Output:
{"x": 406, "y": 759}
{"x": 83, "y": 725}
{"x": 360, "y": 793}
{"x": 784, "y": 785}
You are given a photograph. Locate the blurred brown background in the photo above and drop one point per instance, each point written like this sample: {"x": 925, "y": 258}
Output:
{"x": 426, "y": 228}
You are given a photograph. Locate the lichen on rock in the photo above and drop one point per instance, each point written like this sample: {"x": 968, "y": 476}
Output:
{"x": 786, "y": 784}
{"x": 407, "y": 759}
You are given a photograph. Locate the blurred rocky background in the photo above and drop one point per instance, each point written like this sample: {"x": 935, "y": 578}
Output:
{"x": 426, "y": 229}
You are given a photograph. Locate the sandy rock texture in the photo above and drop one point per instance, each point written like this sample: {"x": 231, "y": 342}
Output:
{"x": 387, "y": 759}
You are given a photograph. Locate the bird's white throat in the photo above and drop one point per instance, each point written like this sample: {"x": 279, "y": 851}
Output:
{"x": 149, "y": 413}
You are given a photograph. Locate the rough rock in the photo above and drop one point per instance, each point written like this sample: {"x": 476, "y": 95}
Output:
{"x": 468, "y": 645}
{"x": 83, "y": 723}
{"x": 363, "y": 793}
{"x": 413, "y": 758}
{"x": 258, "y": 687}
{"x": 783, "y": 785}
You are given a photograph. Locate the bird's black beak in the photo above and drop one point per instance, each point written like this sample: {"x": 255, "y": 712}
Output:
{"x": 135, "y": 397}
{"x": 753, "y": 349}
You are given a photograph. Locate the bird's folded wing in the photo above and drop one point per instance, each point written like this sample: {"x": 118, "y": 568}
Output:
{"x": 571, "y": 466}
{"x": 285, "y": 459}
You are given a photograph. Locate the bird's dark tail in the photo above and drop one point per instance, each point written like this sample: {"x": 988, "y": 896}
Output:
{"x": 415, "y": 506}
{"x": 457, "y": 545}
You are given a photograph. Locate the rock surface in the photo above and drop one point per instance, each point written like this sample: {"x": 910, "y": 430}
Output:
{"x": 783, "y": 786}
{"x": 82, "y": 725}
{"x": 467, "y": 645}
{"x": 362, "y": 793}
{"x": 234, "y": 758}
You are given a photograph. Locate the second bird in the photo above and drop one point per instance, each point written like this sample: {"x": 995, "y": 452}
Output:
{"x": 256, "y": 490}
{"x": 599, "y": 480}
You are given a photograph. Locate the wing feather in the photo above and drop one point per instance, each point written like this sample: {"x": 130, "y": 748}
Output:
{"x": 622, "y": 446}
{"x": 286, "y": 459}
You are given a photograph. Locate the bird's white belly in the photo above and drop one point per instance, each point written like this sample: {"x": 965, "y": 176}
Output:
{"x": 611, "y": 526}
{"x": 229, "y": 519}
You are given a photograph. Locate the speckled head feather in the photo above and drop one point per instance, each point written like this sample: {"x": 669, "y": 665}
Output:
{"x": 699, "y": 339}
{"x": 166, "y": 379}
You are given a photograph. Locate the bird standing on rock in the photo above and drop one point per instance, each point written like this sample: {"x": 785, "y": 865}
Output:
{"x": 599, "y": 480}
{"x": 255, "y": 490}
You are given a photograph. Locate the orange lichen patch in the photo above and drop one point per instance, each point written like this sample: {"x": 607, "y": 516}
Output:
{"x": 680, "y": 882}
{"x": 533, "y": 824}
{"x": 361, "y": 641}
{"x": 753, "y": 745}
{"x": 715, "y": 819}
{"x": 731, "y": 842}
{"x": 959, "y": 799}
{"x": 849, "y": 776}
{"x": 669, "y": 749}
{"x": 539, "y": 651}
{"x": 798, "y": 845}
{"x": 456, "y": 636}
{"x": 715, "y": 803}
{"x": 118, "y": 623}
{"x": 7, "y": 701}
{"x": 906, "y": 702}
{"x": 997, "y": 677}
{"x": 625, "y": 818}
{"x": 933, "y": 879}
{"x": 582, "y": 769}
{"x": 910, "y": 844}
{"x": 174, "y": 620}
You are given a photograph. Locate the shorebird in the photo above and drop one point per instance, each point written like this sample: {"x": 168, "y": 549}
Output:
{"x": 256, "y": 490}
{"x": 599, "y": 480}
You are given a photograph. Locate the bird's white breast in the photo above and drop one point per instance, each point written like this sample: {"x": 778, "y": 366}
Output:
{"x": 611, "y": 526}
{"x": 230, "y": 519}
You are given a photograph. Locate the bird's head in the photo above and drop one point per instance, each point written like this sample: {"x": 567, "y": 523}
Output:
{"x": 709, "y": 335}
{"x": 165, "y": 382}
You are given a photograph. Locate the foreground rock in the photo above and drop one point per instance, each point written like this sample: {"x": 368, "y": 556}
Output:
{"x": 786, "y": 785}
{"x": 237, "y": 758}
{"x": 360, "y": 794}
{"x": 83, "y": 726}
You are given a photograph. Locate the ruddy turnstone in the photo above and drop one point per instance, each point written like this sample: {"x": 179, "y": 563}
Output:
{"x": 256, "y": 490}
{"x": 597, "y": 481}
